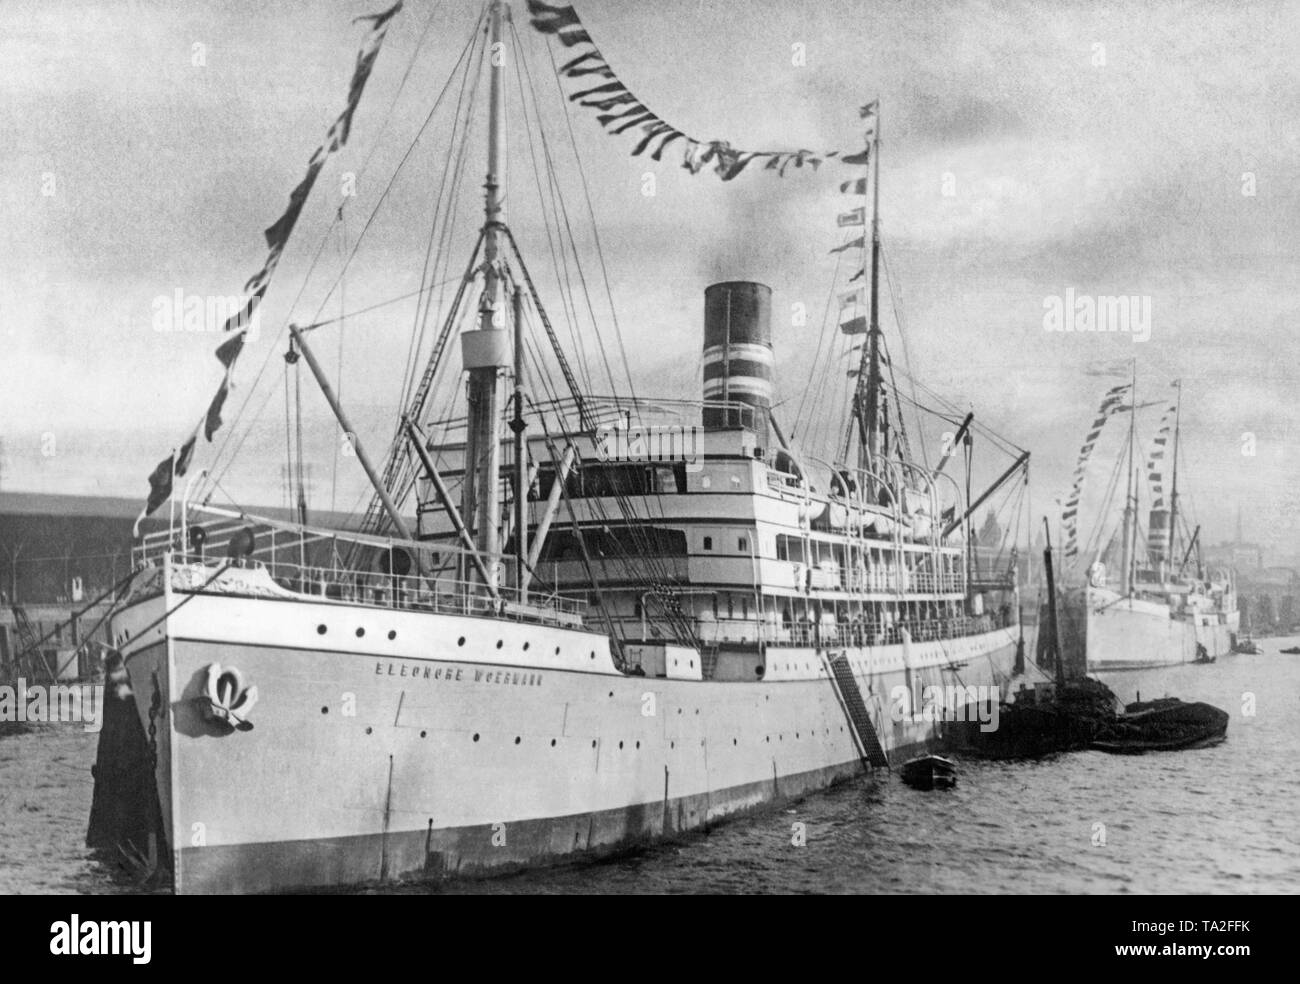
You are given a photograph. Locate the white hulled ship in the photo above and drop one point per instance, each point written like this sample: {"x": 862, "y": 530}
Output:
{"x": 1133, "y": 602}
{"x": 613, "y": 619}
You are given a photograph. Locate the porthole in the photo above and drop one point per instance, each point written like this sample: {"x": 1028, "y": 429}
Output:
{"x": 424, "y": 734}
{"x": 360, "y": 632}
{"x": 516, "y": 739}
{"x": 500, "y": 643}
{"x": 620, "y": 744}
{"x": 476, "y": 736}
{"x": 593, "y": 654}
{"x": 370, "y": 730}
{"x": 593, "y": 743}
{"x": 525, "y": 647}
{"x": 672, "y": 744}
{"x": 733, "y": 741}
{"x": 557, "y": 650}
{"x": 552, "y": 742}
{"x": 460, "y": 641}
{"x": 324, "y": 710}
{"x": 320, "y": 629}
{"x": 638, "y": 744}
{"x": 392, "y": 633}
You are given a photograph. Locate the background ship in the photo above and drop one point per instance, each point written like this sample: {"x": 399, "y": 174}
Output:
{"x": 577, "y": 646}
{"x": 1133, "y": 602}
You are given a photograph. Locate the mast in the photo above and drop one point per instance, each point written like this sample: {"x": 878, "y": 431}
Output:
{"x": 518, "y": 426}
{"x": 485, "y": 350}
{"x": 870, "y": 451}
{"x": 1053, "y": 627}
{"x": 1130, "y": 495}
{"x": 1173, "y": 490}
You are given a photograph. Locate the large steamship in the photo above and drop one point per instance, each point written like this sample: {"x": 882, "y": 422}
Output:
{"x": 571, "y": 649}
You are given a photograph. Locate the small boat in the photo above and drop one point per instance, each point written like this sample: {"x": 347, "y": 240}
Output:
{"x": 929, "y": 772}
{"x": 1247, "y": 646}
{"x": 1291, "y": 650}
{"x": 1203, "y": 655}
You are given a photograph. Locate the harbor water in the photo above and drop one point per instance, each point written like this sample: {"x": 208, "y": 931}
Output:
{"x": 1214, "y": 820}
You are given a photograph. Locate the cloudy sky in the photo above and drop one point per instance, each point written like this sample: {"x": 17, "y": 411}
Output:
{"x": 1140, "y": 149}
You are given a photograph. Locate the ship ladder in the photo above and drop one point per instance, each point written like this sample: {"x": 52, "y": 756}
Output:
{"x": 855, "y": 709}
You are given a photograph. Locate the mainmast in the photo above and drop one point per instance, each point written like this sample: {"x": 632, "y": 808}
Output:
{"x": 1130, "y": 496}
{"x": 1173, "y": 490}
{"x": 485, "y": 350}
{"x": 871, "y": 447}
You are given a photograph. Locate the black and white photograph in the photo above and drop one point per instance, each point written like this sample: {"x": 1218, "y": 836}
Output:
{"x": 712, "y": 447}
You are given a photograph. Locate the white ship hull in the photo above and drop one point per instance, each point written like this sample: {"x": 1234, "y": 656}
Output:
{"x": 1134, "y": 634}
{"x": 417, "y": 757}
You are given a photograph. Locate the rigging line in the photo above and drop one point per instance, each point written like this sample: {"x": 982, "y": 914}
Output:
{"x": 821, "y": 340}
{"x": 456, "y": 165}
{"x": 401, "y": 469}
{"x": 900, "y": 427}
{"x": 300, "y": 503}
{"x": 1004, "y": 443}
{"x": 949, "y": 418}
{"x": 206, "y": 486}
{"x": 404, "y": 469}
{"x": 600, "y": 253}
{"x": 374, "y": 307}
{"x": 393, "y": 180}
{"x": 566, "y": 297}
{"x": 413, "y": 346}
{"x": 1093, "y": 543}
{"x": 561, "y": 212}
{"x": 907, "y": 357}
{"x": 288, "y": 443}
{"x": 338, "y": 382}
{"x": 818, "y": 411}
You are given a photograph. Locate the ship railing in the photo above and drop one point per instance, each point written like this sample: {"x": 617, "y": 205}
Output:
{"x": 422, "y": 593}
{"x": 878, "y": 580}
{"x": 598, "y": 411}
{"x": 854, "y": 632}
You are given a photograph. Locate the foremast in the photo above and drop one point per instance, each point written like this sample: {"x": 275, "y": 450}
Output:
{"x": 486, "y": 350}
